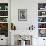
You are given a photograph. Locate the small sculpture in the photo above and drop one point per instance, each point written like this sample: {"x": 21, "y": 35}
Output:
{"x": 13, "y": 27}
{"x": 31, "y": 27}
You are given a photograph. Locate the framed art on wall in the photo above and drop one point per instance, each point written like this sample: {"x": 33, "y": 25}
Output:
{"x": 22, "y": 14}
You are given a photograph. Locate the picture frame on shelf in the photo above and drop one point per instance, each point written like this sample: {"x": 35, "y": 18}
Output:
{"x": 41, "y": 6}
{"x": 22, "y": 14}
{"x": 3, "y": 19}
{"x": 42, "y": 32}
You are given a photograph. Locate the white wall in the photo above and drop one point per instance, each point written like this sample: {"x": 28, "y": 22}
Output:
{"x": 31, "y": 7}
{"x": 32, "y": 14}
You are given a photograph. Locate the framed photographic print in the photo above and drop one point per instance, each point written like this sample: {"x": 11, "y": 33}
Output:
{"x": 22, "y": 14}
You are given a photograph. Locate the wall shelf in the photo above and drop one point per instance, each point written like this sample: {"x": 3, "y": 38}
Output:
{"x": 42, "y": 19}
{"x": 42, "y": 10}
{"x": 41, "y": 28}
{"x": 4, "y": 19}
{"x": 41, "y": 22}
{"x": 3, "y": 22}
{"x": 3, "y": 10}
{"x": 42, "y": 16}
{"x": 3, "y": 16}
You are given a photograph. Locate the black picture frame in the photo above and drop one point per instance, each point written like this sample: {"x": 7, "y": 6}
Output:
{"x": 22, "y": 14}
